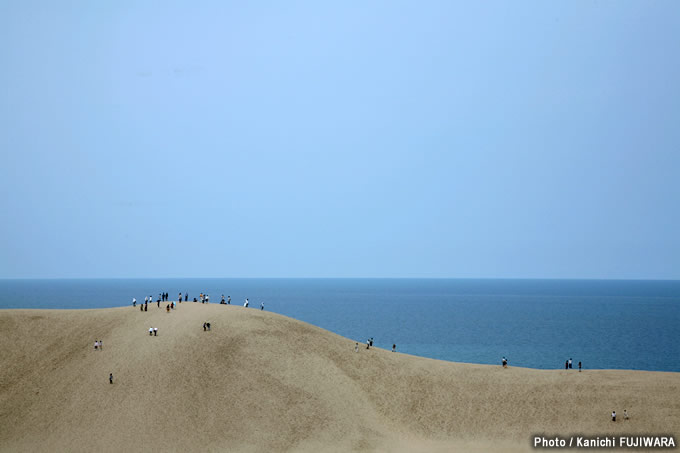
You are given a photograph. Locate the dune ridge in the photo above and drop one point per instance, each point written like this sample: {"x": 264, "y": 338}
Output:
{"x": 260, "y": 381}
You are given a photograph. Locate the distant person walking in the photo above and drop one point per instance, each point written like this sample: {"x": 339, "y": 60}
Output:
{"x": 261, "y": 305}
{"x": 186, "y": 297}
{"x": 245, "y": 304}
{"x": 96, "y": 345}
{"x": 579, "y": 366}
{"x": 101, "y": 345}
{"x": 150, "y": 331}
{"x": 613, "y": 416}
{"x": 146, "y": 307}
{"x": 371, "y": 341}
{"x": 205, "y": 327}
{"x": 110, "y": 378}
{"x": 570, "y": 367}
{"x": 155, "y": 331}
{"x": 625, "y": 415}
{"x": 566, "y": 364}
{"x": 228, "y": 300}
{"x": 394, "y": 348}
{"x": 368, "y": 344}
{"x": 134, "y": 302}
{"x": 141, "y": 307}
{"x": 356, "y": 347}
{"x": 505, "y": 362}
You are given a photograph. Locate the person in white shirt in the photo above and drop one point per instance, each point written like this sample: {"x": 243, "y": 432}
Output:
{"x": 134, "y": 302}
{"x": 155, "y": 331}
{"x": 261, "y": 305}
{"x": 96, "y": 345}
{"x": 245, "y": 304}
{"x": 150, "y": 331}
{"x": 613, "y": 416}
{"x": 625, "y": 414}
{"x": 356, "y": 347}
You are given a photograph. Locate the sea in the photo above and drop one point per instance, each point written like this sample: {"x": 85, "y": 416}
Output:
{"x": 605, "y": 324}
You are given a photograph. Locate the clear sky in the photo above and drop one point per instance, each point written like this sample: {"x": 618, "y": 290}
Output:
{"x": 340, "y": 139}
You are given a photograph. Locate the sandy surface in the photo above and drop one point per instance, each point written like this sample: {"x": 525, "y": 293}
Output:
{"x": 264, "y": 382}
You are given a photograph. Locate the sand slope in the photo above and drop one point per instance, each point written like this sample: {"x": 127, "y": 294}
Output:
{"x": 264, "y": 382}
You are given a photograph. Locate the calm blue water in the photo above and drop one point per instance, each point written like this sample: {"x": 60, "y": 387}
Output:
{"x": 535, "y": 323}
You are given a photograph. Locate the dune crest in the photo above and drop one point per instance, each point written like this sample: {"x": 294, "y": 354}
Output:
{"x": 259, "y": 381}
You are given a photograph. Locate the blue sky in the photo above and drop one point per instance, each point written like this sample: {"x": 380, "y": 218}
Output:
{"x": 340, "y": 139}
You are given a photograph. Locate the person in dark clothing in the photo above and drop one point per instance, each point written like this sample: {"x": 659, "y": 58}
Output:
{"x": 110, "y": 378}
{"x": 204, "y": 327}
{"x": 579, "y": 367}
{"x": 146, "y": 307}
{"x": 566, "y": 365}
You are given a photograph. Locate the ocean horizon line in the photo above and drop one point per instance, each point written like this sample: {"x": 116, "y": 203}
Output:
{"x": 576, "y": 279}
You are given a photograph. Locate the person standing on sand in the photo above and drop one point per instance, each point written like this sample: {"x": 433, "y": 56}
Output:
{"x": 566, "y": 364}
{"x": 368, "y": 344}
{"x": 146, "y": 299}
{"x": 186, "y": 297}
{"x": 155, "y": 331}
{"x": 579, "y": 366}
{"x": 101, "y": 345}
{"x": 150, "y": 330}
{"x": 96, "y": 345}
{"x": 245, "y": 304}
{"x": 356, "y": 347}
{"x": 371, "y": 341}
{"x": 505, "y": 362}
{"x": 110, "y": 378}
{"x": 625, "y": 415}
{"x": 570, "y": 367}
{"x": 261, "y": 305}
{"x": 204, "y": 327}
{"x": 141, "y": 307}
{"x": 228, "y": 300}
{"x": 613, "y": 416}
{"x": 394, "y": 347}
{"x": 134, "y": 302}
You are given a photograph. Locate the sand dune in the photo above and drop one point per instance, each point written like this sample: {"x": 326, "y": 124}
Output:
{"x": 264, "y": 382}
